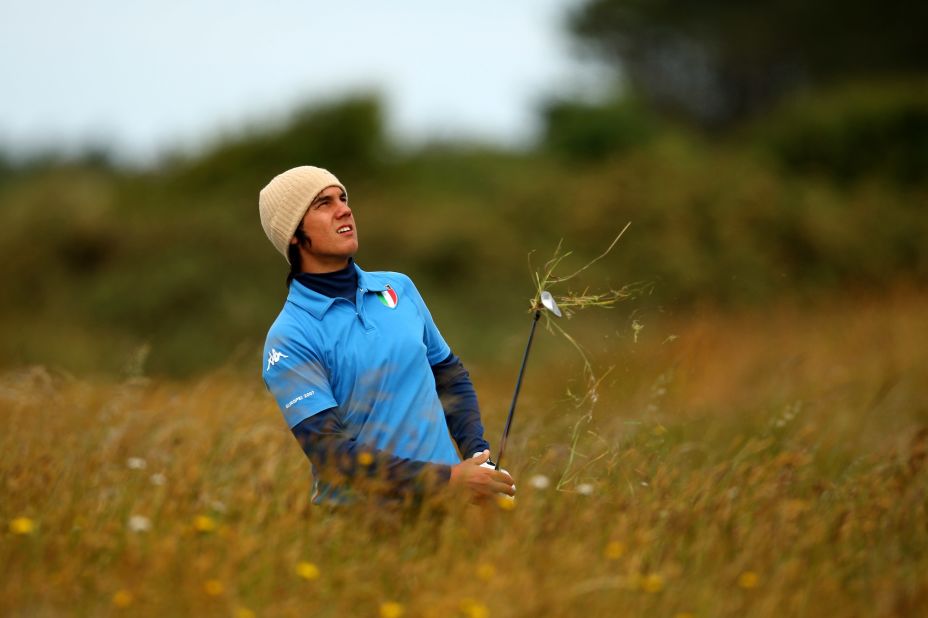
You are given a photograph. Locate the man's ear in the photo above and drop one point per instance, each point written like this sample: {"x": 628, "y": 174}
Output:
{"x": 295, "y": 241}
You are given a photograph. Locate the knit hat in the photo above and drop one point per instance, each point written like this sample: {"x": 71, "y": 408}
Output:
{"x": 284, "y": 201}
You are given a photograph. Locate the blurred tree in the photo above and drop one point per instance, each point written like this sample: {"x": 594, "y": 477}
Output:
{"x": 850, "y": 132}
{"x": 717, "y": 62}
{"x": 591, "y": 131}
{"x": 6, "y": 167}
{"x": 348, "y": 135}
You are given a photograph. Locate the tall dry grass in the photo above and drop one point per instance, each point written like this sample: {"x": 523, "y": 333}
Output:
{"x": 761, "y": 464}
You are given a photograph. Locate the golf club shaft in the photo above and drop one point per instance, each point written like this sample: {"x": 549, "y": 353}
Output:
{"x": 515, "y": 396}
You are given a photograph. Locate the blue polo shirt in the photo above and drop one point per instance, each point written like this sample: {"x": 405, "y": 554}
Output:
{"x": 372, "y": 359}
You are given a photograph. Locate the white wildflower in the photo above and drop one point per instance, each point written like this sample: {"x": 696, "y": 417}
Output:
{"x": 136, "y": 463}
{"x": 585, "y": 489}
{"x": 157, "y": 479}
{"x": 539, "y": 481}
{"x": 139, "y": 523}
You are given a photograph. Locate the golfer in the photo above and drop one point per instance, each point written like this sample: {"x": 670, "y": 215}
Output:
{"x": 366, "y": 383}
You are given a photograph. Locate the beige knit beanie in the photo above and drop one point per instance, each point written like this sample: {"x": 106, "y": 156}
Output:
{"x": 284, "y": 201}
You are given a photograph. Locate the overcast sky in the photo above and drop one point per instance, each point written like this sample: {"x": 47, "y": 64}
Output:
{"x": 144, "y": 76}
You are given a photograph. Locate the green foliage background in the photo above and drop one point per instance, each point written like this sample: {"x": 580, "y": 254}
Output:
{"x": 105, "y": 267}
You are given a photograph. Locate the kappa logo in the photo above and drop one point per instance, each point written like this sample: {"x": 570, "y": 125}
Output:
{"x": 274, "y": 357}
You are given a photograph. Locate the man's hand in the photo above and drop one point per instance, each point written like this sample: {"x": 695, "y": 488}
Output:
{"x": 481, "y": 482}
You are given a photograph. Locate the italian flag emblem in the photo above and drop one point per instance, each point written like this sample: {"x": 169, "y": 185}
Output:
{"x": 388, "y": 297}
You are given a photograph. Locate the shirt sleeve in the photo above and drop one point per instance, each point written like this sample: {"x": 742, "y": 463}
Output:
{"x": 297, "y": 378}
{"x": 437, "y": 349}
{"x": 459, "y": 401}
{"x": 339, "y": 459}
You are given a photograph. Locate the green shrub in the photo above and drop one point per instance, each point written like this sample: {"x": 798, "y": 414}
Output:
{"x": 594, "y": 131}
{"x": 97, "y": 263}
{"x": 858, "y": 130}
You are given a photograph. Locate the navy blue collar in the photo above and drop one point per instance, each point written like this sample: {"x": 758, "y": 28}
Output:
{"x": 339, "y": 284}
{"x": 317, "y": 304}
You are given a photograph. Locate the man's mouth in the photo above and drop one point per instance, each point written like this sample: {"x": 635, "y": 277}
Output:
{"x": 344, "y": 229}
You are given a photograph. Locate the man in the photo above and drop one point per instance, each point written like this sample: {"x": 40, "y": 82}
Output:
{"x": 364, "y": 379}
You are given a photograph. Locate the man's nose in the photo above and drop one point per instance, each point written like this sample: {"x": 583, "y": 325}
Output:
{"x": 343, "y": 211}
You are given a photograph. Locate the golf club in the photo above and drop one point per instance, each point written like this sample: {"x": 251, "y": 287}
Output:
{"x": 550, "y": 304}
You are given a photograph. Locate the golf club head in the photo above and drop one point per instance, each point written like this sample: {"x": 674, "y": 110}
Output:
{"x": 550, "y": 304}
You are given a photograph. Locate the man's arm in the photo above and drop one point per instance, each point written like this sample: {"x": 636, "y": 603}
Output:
{"x": 459, "y": 400}
{"x": 338, "y": 457}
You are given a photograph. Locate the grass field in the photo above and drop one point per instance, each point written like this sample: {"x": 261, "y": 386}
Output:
{"x": 732, "y": 464}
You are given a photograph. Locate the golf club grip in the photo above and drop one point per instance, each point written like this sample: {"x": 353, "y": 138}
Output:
{"x": 515, "y": 396}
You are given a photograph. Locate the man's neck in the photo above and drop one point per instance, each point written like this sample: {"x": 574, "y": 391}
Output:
{"x": 315, "y": 266}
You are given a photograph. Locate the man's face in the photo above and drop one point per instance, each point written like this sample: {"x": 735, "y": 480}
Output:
{"x": 330, "y": 228}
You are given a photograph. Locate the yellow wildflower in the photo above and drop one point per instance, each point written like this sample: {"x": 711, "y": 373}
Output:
{"x": 614, "y": 550}
{"x": 244, "y": 612}
{"x": 307, "y": 570}
{"x": 22, "y": 525}
{"x": 122, "y": 599}
{"x": 486, "y": 571}
{"x": 365, "y": 459}
{"x": 204, "y": 523}
{"x": 474, "y": 609}
{"x": 213, "y": 587}
{"x": 391, "y": 609}
{"x": 507, "y": 503}
{"x": 748, "y": 580}
{"x": 652, "y": 583}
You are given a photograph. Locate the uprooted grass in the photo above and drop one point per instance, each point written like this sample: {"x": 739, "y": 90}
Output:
{"x": 756, "y": 464}
{"x": 567, "y": 305}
